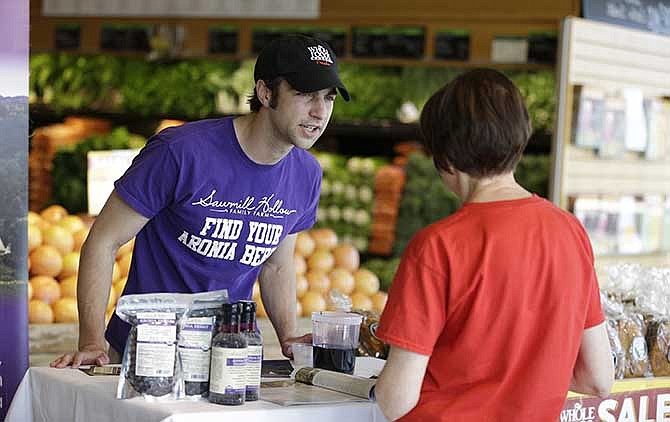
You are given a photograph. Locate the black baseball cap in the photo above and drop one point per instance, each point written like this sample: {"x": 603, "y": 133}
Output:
{"x": 307, "y": 63}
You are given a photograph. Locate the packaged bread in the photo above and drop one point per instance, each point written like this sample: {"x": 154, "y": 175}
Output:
{"x": 632, "y": 333}
{"x": 618, "y": 353}
{"x": 658, "y": 339}
{"x": 369, "y": 344}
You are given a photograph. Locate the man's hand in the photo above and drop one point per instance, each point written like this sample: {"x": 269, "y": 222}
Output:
{"x": 88, "y": 355}
{"x": 287, "y": 344}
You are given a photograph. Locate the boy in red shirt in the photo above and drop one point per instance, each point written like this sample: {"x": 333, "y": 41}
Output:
{"x": 494, "y": 312}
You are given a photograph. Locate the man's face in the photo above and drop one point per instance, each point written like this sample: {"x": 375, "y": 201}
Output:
{"x": 302, "y": 117}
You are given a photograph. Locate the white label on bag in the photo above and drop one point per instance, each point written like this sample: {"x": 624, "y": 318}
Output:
{"x": 228, "y": 373}
{"x": 254, "y": 360}
{"x": 156, "y": 338}
{"x": 195, "y": 340}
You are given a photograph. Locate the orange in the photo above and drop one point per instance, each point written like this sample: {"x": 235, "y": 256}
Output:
{"x": 68, "y": 286}
{"x": 299, "y": 264}
{"x": 34, "y": 237}
{"x": 71, "y": 223}
{"x": 116, "y": 272}
{"x": 361, "y": 301}
{"x": 124, "y": 264}
{"x": 45, "y": 260}
{"x": 379, "y": 301}
{"x": 312, "y": 302}
{"x": 126, "y": 248}
{"x": 260, "y": 309}
{"x": 318, "y": 281}
{"x": 65, "y": 310}
{"x": 59, "y": 238}
{"x": 342, "y": 280}
{"x": 30, "y": 290}
{"x": 366, "y": 282}
{"x": 304, "y": 244}
{"x": 256, "y": 293}
{"x": 79, "y": 237}
{"x": 46, "y": 289}
{"x": 39, "y": 312}
{"x": 321, "y": 260}
{"x": 347, "y": 257}
{"x": 301, "y": 286}
{"x": 70, "y": 265}
{"x": 325, "y": 238}
{"x": 53, "y": 213}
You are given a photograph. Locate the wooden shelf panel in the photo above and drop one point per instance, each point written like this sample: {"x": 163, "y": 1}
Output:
{"x": 583, "y": 175}
{"x": 606, "y": 55}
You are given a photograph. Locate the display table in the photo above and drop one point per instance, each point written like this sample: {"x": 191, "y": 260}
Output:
{"x": 58, "y": 395}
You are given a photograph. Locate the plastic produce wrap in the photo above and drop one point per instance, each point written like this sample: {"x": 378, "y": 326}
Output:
{"x": 612, "y": 308}
{"x": 618, "y": 353}
{"x": 651, "y": 296}
{"x": 368, "y": 343}
{"x": 632, "y": 333}
{"x": 150, "y": 366}
{"x": 623, "y": 280}
{"x": 338, "y": 301}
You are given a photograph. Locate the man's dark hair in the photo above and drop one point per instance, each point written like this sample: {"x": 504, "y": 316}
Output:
{"x": 478, "y": 124}
{"x": 273, "y": 85}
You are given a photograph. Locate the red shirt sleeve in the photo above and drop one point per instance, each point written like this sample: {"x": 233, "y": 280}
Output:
{"x": 415, "y": 314}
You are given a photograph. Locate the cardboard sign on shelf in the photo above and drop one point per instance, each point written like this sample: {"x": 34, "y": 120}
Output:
{"x": 635, "y": 400}
{"x": 104, "y": 167}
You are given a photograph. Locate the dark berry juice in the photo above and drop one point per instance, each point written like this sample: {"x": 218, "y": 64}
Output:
{"x": 339, "y": 360}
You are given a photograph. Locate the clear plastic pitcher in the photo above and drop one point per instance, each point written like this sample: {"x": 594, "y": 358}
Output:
{"x": 335, "y": 340}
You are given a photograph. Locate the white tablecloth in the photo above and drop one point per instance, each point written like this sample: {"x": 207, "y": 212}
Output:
{"x": 69, "y": 395}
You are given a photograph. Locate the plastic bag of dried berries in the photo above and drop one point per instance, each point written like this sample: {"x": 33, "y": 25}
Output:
{"x": 198, "y": 327}
{"x": 150, "y": 366}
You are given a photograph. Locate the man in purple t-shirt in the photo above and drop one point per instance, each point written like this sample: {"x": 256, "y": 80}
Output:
{"x": 215, "y": 204}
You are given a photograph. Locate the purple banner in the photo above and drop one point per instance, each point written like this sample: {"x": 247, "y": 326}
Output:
{"x": 13, "y": 198}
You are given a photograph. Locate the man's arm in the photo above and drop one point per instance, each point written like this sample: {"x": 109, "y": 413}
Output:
{"x": 399, "y": 385}
{"x": 277, "y": 282}
{"x": 594, "y": 369}
{"x": 116, "y": 224}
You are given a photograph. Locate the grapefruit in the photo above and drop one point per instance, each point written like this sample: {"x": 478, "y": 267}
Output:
{"x": 342, "y": 280}
{"x": 298, "y": 309}
{"x": 126, "y": 248}
{"x": 68, "y": 286}
{"x": 301, "y": 286}
{"x": 304, "y": 244}
{"x": 347, "y": 257}
{"x": 65, "y": 310}
{"x": 312, "y": 302}
{"x": 53, "y": 214}
{"x": 366, "y": 282}
{"x": 79, "y": 237}
{"x": 45, "y": 260}
{"x": 321, "y": 260}
{"x": 70, "y": 265}
{"x": 46, "y": 289}
{"x": 379, "y": 301}
{"x": 361, "y": 301}
{"x": 34, "y": 237}
{"x": 324, "y": 238}
{"x": 39, "y": 312}
{"x": 318, "y": 281}
{"x": 59, "y": 238}
{"x": 71, "y": 223}
{"x": 300, "y": 264}
{"x": 124, "y": 264}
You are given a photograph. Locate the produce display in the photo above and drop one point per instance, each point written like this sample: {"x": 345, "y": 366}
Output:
{"x": 54, "y": 244}
{"x": 190, "y": 88}
{"x": 69, "y": 166}
{"x": 347, "y": 196}
{"x": 330, "y": 276}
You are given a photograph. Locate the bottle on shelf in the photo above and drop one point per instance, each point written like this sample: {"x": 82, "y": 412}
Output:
{"x": 254, "y": 349}
{"x": 228, "y": 372}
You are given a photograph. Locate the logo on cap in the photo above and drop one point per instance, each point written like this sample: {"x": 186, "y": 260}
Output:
{"x": 320, "y": 55}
